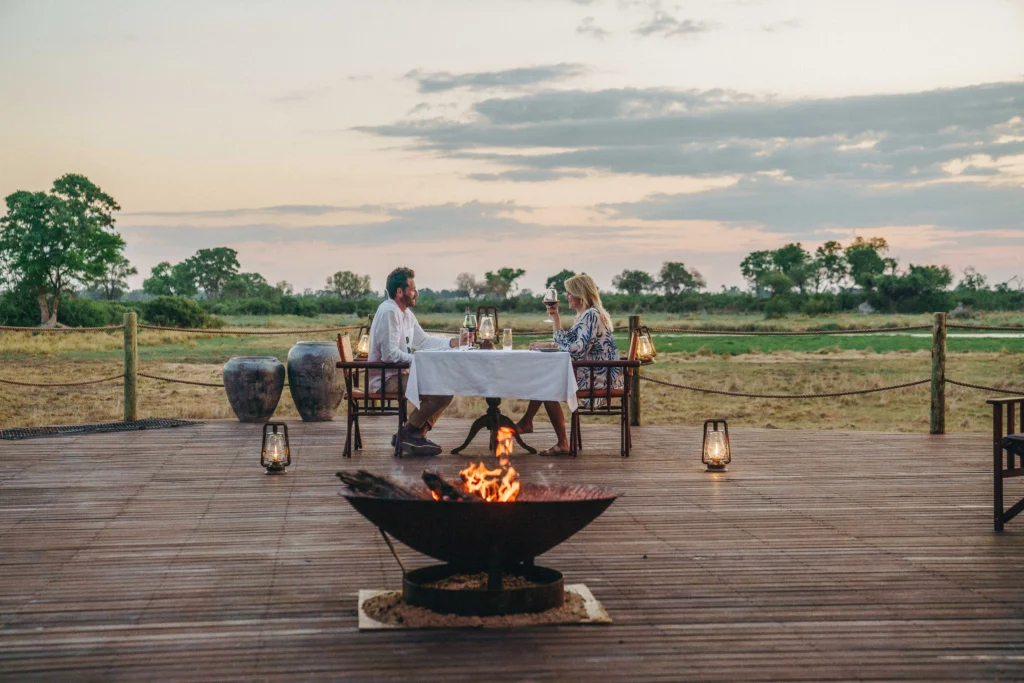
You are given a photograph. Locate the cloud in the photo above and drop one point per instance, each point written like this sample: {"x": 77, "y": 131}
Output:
{"x": 587, "y": 27}
{"x": 873, "y": 160}
{"x": 779, "y": 26}
{"x": 508, "y": 79}
{"x": 665, "y": 25}
{"x": 658, "y": 131}
{"x": 281, "y": 210}
{"x": 526, "y": 175}
{"x": 804, "y": 207}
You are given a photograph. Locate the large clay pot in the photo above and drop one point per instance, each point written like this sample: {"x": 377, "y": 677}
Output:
{"x": 254, "y": 385}
{"x": 316, "y": 385}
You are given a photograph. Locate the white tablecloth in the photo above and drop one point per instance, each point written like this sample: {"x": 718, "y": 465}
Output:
{"x": 531, "y": 375}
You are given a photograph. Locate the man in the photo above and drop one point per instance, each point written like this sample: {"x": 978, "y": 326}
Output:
{"x": 394, "y": 334}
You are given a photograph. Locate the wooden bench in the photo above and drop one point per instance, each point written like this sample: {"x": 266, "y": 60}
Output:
{"x": 1006, "y": 439}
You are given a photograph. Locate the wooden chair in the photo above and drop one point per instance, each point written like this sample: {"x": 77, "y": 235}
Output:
{"x": 615, "y": 401}
{"x": 1005, "y": 438}
{"x": 361, "y": 401}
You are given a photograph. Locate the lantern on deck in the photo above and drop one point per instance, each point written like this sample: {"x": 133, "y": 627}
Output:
{"x": 275, "y": 455}
{"x": 363, "y": 345}
{"x": 716, "y": 453}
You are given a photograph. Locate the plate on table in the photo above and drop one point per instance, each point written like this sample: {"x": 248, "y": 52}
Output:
{"x": 548, "y": 350}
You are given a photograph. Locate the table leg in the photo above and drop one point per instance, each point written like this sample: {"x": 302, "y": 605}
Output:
{"x": 492, "y": 420}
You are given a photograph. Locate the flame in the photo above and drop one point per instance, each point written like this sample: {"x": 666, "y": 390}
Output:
{"x": 500, "y": 485}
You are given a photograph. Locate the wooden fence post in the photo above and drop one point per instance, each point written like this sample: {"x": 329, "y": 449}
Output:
{"x": 634, "y": 387}
{"x": 131, "y": 367}
{"x": 938, "y": 408}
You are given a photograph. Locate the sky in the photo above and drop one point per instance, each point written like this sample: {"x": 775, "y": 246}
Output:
{"x": 468, "y": 135}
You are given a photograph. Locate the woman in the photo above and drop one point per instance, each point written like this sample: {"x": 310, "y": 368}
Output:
{"x": 590, "y": 338}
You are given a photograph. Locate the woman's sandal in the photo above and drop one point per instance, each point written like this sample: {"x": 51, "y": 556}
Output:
{"x": 554, "y": 451}
{"x": 523, "y": 430}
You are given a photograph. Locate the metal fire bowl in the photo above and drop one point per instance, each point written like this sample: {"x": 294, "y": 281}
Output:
{"x": 548, "y": 593}
{"x": 468, "y": 535}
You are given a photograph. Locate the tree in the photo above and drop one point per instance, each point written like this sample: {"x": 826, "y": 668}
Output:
{"x": 558, "y": 280}
{"x": 168, "y": 280}
{"x": 210, "y": 269}
{"x": 49, "y": 241}
{"x": 973, "y": 281}
{"x": 284, "y": 287}
{"x": 754, "y": 267}
{"x": 159, "y": 281}
{"x": 349, "y": 285}
{"x": 502, "y": 282}
{"x": 865, "y": 261}
{"x": 249, "y": 286}
{"x": 467, "y": 285}
{"x": 830, "y": 265}
{"x": 675, "y": 277}
{"x": 114, "y": 282}
{"x": 921, "y": 288}
{"x": 795, "y": 263}
{"x": 633, "y": 282}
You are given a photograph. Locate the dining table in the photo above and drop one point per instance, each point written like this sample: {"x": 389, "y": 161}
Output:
{"x": 493, "y": 374}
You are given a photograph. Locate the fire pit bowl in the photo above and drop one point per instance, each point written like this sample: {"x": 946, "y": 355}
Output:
{"x": 471, "y": 536}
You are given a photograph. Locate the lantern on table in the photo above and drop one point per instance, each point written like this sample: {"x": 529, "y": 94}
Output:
{"x": 716, "y": 453}
{"x": 645, "y": 351}
{"x": 363, "y": 343}
{"x": 275, "y": 455}
{"x": 487, "y": 332}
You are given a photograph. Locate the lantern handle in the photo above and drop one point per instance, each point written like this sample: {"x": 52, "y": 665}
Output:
{"x": 393, "y": 552}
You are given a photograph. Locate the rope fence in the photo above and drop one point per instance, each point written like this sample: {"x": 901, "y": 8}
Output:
{"x": 242, "y": 333}
{"x": 61, "y": 384}
{"x": 833, "y": 394}
{"x": 181, "y": 381}
{"x": 938, "y": 380}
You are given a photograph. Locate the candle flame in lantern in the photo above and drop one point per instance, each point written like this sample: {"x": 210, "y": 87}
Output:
{"x": 499, "y": 485}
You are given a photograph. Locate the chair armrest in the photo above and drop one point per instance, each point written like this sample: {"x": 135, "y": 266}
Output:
{"x": 1005, "y": 401}
{"x": 606, "y": 363}
{"x": 366, "y": 365}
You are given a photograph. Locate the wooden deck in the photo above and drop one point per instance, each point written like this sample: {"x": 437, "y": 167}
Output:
{"x": 168, "y": 555}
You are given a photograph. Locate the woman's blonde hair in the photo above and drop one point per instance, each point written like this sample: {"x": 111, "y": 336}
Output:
{"x": 583, "y": 287}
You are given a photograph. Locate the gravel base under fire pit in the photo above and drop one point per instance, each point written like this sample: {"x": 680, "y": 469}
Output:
{"x": 383, "y": 609}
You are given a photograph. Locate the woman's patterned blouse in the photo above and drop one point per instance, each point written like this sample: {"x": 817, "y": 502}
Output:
{"x": 588, "y": 339}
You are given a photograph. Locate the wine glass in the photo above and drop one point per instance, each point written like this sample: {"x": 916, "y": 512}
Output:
{"x": 550, "y": 299}
{"x": 465, "y": 339}
{"x": 506, "y": 339}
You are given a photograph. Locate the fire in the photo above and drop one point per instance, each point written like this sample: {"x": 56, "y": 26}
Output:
{"x": 499, "y": 485}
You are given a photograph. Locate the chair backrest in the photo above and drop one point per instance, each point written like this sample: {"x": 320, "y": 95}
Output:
{"x": 345, "y": 348}
{"x": 634, "y": 345}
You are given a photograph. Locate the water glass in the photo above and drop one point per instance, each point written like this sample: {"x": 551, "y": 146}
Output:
{"x": 465, "y": 339}
{"x": 506, "y": 339}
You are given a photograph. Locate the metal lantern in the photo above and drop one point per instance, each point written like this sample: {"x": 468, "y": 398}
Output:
{"x": 645, "y": 351}
{"x": 716, "y": 453}
{"x": 275, "y": 455}
{"x": 363, "y": 345}
{"x": 487, "y": 332}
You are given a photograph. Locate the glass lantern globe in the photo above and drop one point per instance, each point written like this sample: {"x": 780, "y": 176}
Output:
{"x": 716, "y": 452}
{"x": 276, "y": 454}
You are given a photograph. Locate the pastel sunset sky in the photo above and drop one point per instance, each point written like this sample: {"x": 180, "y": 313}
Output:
{"x": 466, "y": 135}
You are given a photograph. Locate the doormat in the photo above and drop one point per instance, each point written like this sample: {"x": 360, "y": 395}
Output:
{"x": 101, "y": 428}
{"x": 581, "y": 607}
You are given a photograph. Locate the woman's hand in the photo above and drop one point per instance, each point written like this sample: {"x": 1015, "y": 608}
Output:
{"x": 553, "y": 314}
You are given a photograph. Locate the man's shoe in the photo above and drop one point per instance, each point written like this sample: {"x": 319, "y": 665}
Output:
{"x": 416, "y": 445}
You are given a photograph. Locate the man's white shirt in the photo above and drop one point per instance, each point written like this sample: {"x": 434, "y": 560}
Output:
{"x": 394, "y": 335}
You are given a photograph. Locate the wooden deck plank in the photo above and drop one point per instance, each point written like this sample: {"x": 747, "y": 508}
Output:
{"x": 819, "y": 556}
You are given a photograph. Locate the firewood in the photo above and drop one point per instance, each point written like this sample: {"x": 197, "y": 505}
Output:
{"x": 436, "y": 483}
{"x": 369, "y": 484}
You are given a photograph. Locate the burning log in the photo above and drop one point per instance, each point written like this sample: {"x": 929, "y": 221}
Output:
{"x": 445, "y": 491}
{"x": 365, "y": 483}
